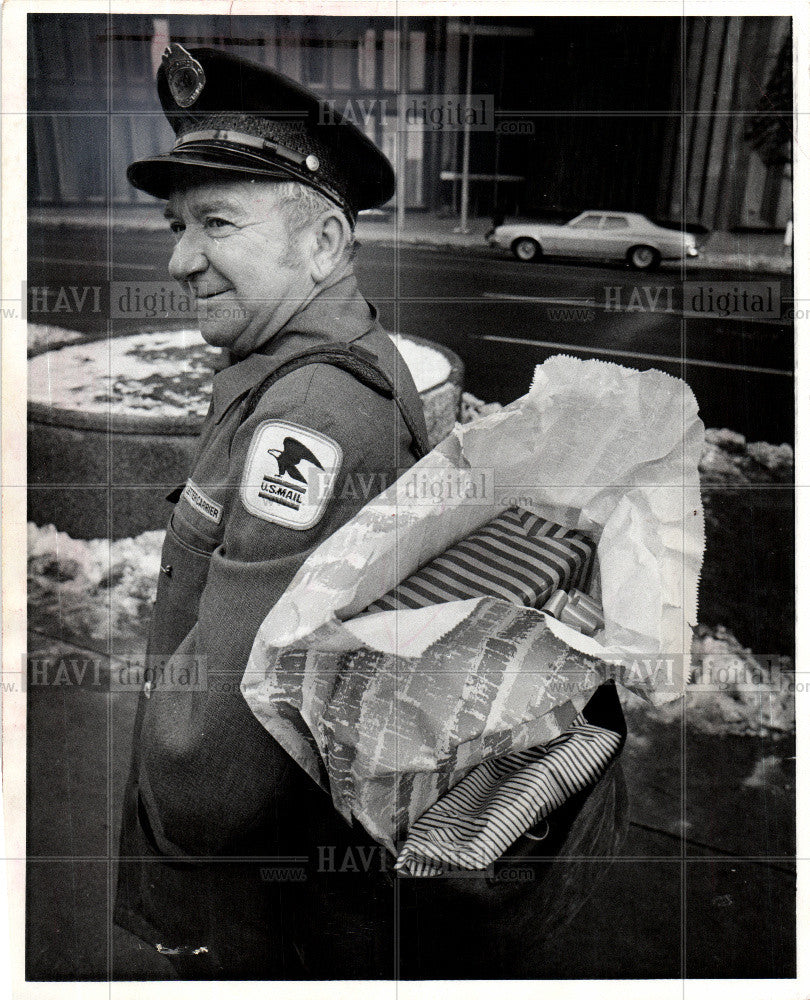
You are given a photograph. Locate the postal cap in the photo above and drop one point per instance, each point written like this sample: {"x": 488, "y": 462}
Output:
{"x": 234, "y": 117}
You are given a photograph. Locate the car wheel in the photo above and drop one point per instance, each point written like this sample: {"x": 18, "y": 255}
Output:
{"x": 643, "y": 258}
{"x": 526, "y": 249}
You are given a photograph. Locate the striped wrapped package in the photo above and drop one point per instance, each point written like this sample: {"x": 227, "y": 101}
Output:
{"x": 518, "y": 557}
{"x": 474, "y": 823}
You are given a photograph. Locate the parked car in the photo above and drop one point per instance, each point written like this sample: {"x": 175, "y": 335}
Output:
{"x": 597, "y": 235}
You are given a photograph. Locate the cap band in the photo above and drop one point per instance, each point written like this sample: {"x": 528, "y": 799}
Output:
{"x": 252, "y": 141}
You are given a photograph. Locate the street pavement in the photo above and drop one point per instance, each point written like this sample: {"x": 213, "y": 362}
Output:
{"x": 500, "y": 316}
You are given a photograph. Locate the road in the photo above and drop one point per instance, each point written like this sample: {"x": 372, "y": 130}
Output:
{"x": 500, "y": 316}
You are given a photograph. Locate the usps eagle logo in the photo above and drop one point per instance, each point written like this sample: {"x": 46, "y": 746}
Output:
{"x": 290, "y": 473}
{"x": 290, "y": 485}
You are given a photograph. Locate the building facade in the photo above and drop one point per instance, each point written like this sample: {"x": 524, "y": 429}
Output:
{"x": 640, "y": 114}
{"x": 715, "y": 177}
{"x": 93, "y": 106}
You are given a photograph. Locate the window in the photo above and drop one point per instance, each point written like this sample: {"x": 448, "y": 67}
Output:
{"x": 366, "y": 60}
{"x": 615, "y": 222}
{"x": 344, "y": 60}
{"x": 290, "y": 58}
{"x": 414, "y": 155}
{"x": 390, "y": 60}
{"x": 390, "y": 147}
{"x": 587, "y": 222}
{"x": 315, "y": 64}
{"x": 369, "y": 126}
{"x": 416, "y": 54}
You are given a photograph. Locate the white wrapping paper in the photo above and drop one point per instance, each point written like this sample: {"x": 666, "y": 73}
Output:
{"x": 595, "y": 446}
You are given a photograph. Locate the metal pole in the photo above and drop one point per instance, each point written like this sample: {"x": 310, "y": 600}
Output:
{"x": 402, "y": 135}
{"x": 465, "y": 149}
{"x": 495, "y": 213}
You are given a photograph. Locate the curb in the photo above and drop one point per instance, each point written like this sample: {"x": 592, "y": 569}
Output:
{"x": 740, "y": 262}
{"x": 707, "y": 262}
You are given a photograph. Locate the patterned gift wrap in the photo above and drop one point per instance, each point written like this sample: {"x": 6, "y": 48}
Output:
{"x": 397, "y": 733}
{"x": 518, "y": 557}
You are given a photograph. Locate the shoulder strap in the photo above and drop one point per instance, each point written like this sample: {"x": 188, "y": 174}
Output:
{"x": 360, "y": 363}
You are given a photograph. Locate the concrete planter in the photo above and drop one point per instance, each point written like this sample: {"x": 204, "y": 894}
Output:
{"x": 105, "y": 475}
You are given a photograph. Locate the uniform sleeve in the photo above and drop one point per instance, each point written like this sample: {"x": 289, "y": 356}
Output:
{"x": 332, "y": 432}
{"x": 210, "y": 772}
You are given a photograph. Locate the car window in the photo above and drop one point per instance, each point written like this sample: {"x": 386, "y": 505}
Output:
{"x": 587, "y": 222}
{"x": 615, "y": 222}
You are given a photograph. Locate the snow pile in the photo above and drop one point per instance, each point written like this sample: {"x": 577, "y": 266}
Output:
{"x": 427, "y": 366}
{"x": 472, "y": 408}
{"x": 92, "y": 590}
{"x": 729, "y": 460}
{"x": 161, "y": 373}
{"x": 166, "y": 373}
{"x": 731, "y": 692}
{"x": 42, "y": 337}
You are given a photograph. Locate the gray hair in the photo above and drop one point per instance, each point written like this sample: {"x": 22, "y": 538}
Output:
{"x": 301, "y": 204}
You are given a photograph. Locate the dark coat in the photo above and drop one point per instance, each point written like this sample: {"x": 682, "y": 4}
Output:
{"x": 207, "y": 781}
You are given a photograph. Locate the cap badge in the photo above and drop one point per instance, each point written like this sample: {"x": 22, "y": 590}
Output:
{"x": 185, "y": 75}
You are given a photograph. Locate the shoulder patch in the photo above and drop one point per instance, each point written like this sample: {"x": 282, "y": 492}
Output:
{"x": 289, "y": 474}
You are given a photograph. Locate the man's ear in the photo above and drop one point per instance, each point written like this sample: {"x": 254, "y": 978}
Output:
{"x": 331, "y": 235}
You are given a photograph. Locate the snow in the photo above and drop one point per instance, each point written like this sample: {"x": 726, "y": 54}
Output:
{"x": 96, "y": 589}
{"x": 41, "y": 336}
{"x": 731, "y": 692}
{"x": 729, "y": 460}
{"x": 92, "y": 590}
{"x": 427, "y": 366}
{"x": 166, "y": 373}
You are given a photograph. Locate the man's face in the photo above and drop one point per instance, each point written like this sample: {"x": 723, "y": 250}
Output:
{"x": 235, "y": 257}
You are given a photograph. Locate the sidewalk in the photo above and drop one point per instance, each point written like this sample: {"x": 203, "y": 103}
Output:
{"x": 734, "y": 251}
{"x": 746, "y": 251}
